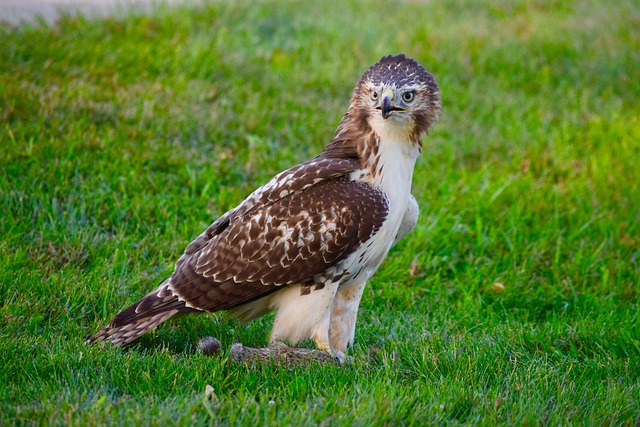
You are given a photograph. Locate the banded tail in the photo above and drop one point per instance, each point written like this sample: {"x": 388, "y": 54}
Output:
{"x": 141, "y": 317}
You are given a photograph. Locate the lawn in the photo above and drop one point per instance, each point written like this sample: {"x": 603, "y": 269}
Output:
{"x": 515, "y": 300}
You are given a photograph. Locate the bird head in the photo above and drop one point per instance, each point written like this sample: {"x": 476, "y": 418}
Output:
{"x": 396, "y": 93}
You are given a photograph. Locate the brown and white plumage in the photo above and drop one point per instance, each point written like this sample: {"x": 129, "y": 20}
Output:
{"x": 306, "y": 242}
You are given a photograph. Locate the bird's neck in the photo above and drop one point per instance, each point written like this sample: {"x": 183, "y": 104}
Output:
{"x": 391, "y": 161}
{"x": 388, "y": 165}
{"x": 386, "y": 149}
{"x": 362, "y": 138}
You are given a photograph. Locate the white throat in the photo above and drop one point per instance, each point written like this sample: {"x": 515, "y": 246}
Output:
{"x": 398, "y": 156}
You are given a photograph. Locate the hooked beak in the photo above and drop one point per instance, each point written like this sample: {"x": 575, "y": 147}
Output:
{"x": 386, "y": 107}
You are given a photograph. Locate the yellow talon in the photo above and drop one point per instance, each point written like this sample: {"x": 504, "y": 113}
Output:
{"x": 324, "y": 346}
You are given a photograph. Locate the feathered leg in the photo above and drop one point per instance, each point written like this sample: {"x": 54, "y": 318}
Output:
{"x": 344, "y": 313}
{"x": 303, "y": 314}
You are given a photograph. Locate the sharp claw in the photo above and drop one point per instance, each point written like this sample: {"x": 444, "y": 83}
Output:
{"x": 337, "y": 355}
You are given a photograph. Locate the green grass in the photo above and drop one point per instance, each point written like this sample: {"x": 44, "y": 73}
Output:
{"x": 122, "y": 139}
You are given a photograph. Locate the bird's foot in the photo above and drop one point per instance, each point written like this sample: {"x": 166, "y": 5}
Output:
{"x": 337, "y": 355}
{"x": 324, "y": 346}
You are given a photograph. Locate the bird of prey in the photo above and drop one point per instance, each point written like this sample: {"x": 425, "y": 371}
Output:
{"x": 305, "y": 243}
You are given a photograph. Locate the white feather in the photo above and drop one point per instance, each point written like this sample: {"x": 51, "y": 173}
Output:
{"x": 302, "y": 316}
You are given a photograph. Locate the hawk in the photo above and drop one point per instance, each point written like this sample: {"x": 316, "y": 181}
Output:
{"x": 306, "y": 243}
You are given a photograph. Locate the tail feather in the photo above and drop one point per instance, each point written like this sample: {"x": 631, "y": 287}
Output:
{"x": 141, "y": 317}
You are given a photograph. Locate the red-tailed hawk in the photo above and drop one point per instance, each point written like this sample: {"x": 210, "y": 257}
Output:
{"x": 306, "y": 242}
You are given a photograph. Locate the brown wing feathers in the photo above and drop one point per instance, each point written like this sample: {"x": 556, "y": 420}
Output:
{"x": 303, "y": 235}
{"x": 288, "y": 231}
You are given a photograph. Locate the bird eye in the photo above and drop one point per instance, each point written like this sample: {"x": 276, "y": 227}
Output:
{"x": 374, "y": 95}
{"x": 408, "y": 96}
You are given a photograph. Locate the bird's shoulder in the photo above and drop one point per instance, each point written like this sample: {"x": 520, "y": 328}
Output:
{"x": 287, "y": 183}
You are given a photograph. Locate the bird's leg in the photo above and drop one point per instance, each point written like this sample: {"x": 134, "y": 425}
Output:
{"x": 304, "y": 312}
{"x": 320, "y": 331}
{"x": 344, "y": 312}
